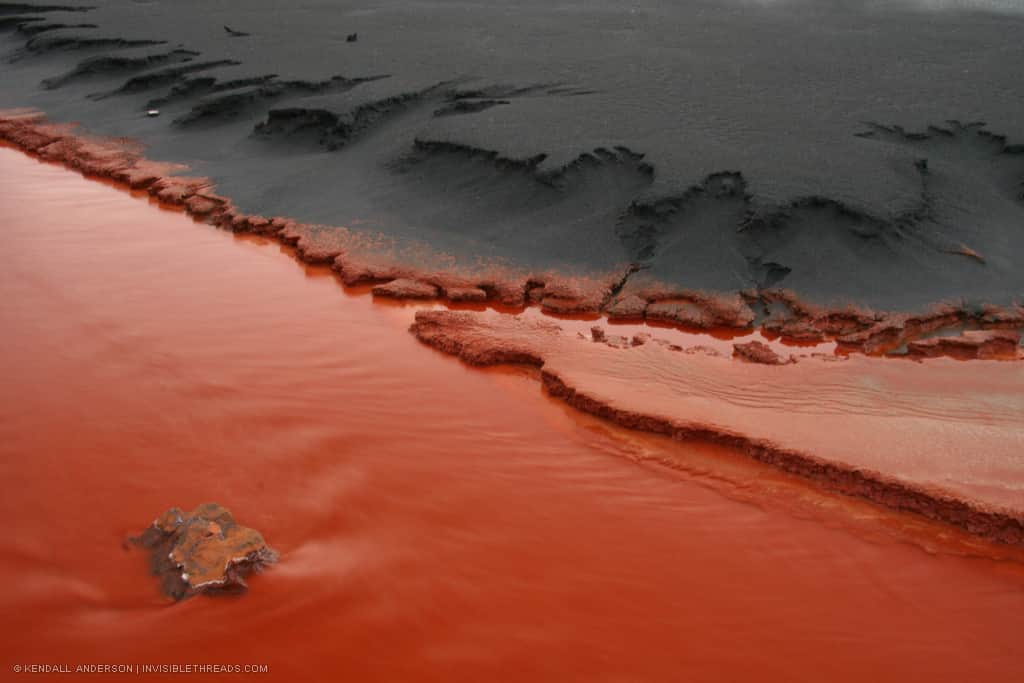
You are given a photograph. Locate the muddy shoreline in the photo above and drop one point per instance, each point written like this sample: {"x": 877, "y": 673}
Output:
{"x": 703, "y": 189}
{"x": 360, "y": 257}
{"x": 994, "y": 524}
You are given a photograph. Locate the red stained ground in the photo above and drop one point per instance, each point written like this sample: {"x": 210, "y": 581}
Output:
{"x": 435, "y": 522}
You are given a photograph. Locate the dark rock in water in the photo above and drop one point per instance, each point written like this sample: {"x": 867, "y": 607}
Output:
{"x": 758, "y": 352}
{"x": 352, "y": 37}
{"x": 203, "y": 551}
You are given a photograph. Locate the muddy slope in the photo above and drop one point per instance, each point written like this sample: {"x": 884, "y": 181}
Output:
{"x": 833, "y": 149}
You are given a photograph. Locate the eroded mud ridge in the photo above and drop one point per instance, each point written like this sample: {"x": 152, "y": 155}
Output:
{"x": 942, "y": 441}
{"x": 708, "y": 189}
{"x": 416, "y": 271}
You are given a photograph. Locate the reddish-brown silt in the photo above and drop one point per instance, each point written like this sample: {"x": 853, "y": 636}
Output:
{"x": 435, "y": 522}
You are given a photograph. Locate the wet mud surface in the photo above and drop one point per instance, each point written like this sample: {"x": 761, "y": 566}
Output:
{"x": 803, "y": 158}
{"x": 433, "y": 520}
{"x": 942, "y": 439}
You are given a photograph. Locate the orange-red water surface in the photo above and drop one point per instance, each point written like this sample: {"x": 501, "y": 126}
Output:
{"x": 435, "y": 522}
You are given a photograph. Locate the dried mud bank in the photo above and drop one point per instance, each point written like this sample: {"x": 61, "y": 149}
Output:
{"x": 942, "y": 440}
{"x": 407, "y": 270}
{"x": 400, "y": 271}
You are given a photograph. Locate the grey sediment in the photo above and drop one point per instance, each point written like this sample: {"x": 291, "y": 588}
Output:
{"x": 710, "y": 187}
{"x": 622, "y": 294}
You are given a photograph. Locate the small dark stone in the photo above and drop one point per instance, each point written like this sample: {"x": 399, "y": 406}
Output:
{"x": 204, "y": 551}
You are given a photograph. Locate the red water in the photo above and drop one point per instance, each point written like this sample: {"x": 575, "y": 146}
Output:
{"x": 435, "y": 522}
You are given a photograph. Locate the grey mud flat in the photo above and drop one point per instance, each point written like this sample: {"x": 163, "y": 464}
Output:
{"x": 848, "y": 151}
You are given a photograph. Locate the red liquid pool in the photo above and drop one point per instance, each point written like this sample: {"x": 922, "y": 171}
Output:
{"x": 435, "y": 522}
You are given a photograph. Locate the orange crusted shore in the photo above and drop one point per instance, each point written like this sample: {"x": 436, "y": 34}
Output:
{"x": 416, "y": 271}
